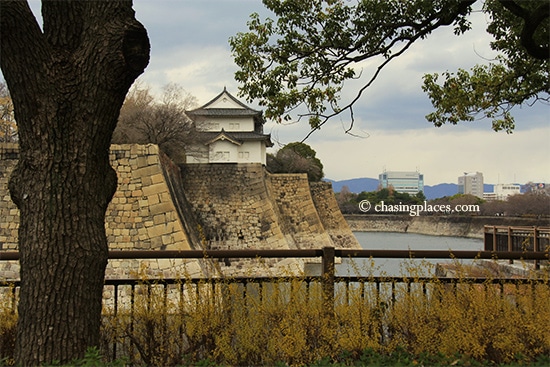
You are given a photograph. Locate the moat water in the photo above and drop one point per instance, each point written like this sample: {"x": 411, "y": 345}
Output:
{"x": 403, "y": 241}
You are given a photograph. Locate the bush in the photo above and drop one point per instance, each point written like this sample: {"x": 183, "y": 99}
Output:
{"x": 290, "y": 323}
{"x": 8, "y": 321}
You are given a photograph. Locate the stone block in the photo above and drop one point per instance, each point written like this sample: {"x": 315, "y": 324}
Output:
{"x": 161, "y": 208}
{"x": 140, "y": 162}
{"x": 157, "y": 231}
{"x": 167, "y": 239}
{"x": 156, "y": 243}
{"x": 159, "y": 219}
{"x": 146, "y": 171}
{"x": 165, "y": 263}
{"x": 146, "y": 180}
{"x": 179, "y": 236}
{"x": 153, "y": 159}
{"x": 165, "y": 197}
{"x": 153, "y": 189}
{"x": 157, "y": 178}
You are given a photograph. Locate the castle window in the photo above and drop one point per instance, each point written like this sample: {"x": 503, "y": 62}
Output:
{"x": 220, "y": 156}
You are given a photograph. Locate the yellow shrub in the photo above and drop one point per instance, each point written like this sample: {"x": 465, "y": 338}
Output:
{"x": 8, "y": 321}
{"x": 290, "y": 322}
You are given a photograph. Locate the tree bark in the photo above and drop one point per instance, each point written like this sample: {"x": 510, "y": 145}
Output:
{"x": 68, "y": 83}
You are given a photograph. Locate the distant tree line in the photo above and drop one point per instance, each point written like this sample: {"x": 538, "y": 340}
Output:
{"x": 528, "y": 204}
{"x": 349, "y": 202}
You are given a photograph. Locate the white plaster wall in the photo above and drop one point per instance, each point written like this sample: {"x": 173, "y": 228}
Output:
{"x": 229, "y": 124}
{"x": 256, "y": 153}
{"x": 223, "y": 146}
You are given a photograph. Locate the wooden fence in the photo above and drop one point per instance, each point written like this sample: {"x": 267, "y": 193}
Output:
{"x": 501, "y": 239}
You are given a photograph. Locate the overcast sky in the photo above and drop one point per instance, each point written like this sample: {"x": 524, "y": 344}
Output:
{"x": 189, "y": 46}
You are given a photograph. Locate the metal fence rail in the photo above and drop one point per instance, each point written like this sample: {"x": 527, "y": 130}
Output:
{"x": 313, "y": 253}
{"x": 327, "y": 279}
{"x": 333, "y": 289}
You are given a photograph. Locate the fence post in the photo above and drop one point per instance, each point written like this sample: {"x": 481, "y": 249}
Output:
{"x": 328, "y": 277}
{"x": 510, "y": 248}
{"x": 536, "y": 246}
{"x": 494, "y": 238}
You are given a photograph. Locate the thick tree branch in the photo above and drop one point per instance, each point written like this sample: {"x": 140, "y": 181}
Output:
{"x": 19, "y": 33}
{"x": 532, "y": 20}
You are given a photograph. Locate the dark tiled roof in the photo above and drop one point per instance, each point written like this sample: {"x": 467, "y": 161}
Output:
{"x": 244, "y": 111}
{"x": 224, "y": 112}
{"x": 240, "y": 136}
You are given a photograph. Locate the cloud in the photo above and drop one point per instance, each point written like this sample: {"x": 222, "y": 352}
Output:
{"x": 189, "y": 46}
{"x": 442, "y": 154}
{"x": 190, "y": 42}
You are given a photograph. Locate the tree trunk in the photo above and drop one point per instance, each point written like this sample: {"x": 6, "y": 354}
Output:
{"x": 67, "y": 84}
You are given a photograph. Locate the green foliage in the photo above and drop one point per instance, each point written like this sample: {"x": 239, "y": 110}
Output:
{"x": 296, "y": 158}
{"x": 93, "y": 358}
{"x": 349, "y": 203}
{"x": 514, "y": 78}
{"x": 304, "y": 57}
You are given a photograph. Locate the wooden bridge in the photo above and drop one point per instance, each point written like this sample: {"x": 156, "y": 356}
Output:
{"x": 516, "y": 239}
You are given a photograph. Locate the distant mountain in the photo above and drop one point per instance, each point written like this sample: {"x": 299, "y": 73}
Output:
{"x": 440, "y": 190}
{"x": 357, "y": 185}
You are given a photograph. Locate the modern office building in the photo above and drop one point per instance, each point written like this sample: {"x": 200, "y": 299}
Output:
{"x": 471, "y": 183}
{"x": 405, "y": 182}
{"x": 502, "y": 192}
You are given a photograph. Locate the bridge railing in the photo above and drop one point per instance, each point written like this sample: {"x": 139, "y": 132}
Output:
{"x": 516, "y": 238}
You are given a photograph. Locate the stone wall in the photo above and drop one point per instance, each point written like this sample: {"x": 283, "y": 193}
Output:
{"x": 241, "y": 206}
{"x": 9, "y": 214}
{"x": 299, "y": 219}
{"x": 141, "y": 215}
{"x": 437, "y": 225}
{"x": 330, "y": 215}
{"x": 161, "y": 206}
{"x": 231, "y": 205}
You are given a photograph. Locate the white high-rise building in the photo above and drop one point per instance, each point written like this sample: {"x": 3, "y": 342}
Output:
{"x": 405, "y": 182}
{"x": 503, "y": 191}
{"x": 471, "y": 183}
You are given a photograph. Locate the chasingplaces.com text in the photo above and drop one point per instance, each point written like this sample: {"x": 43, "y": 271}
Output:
{"x": 416, "y": 209}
